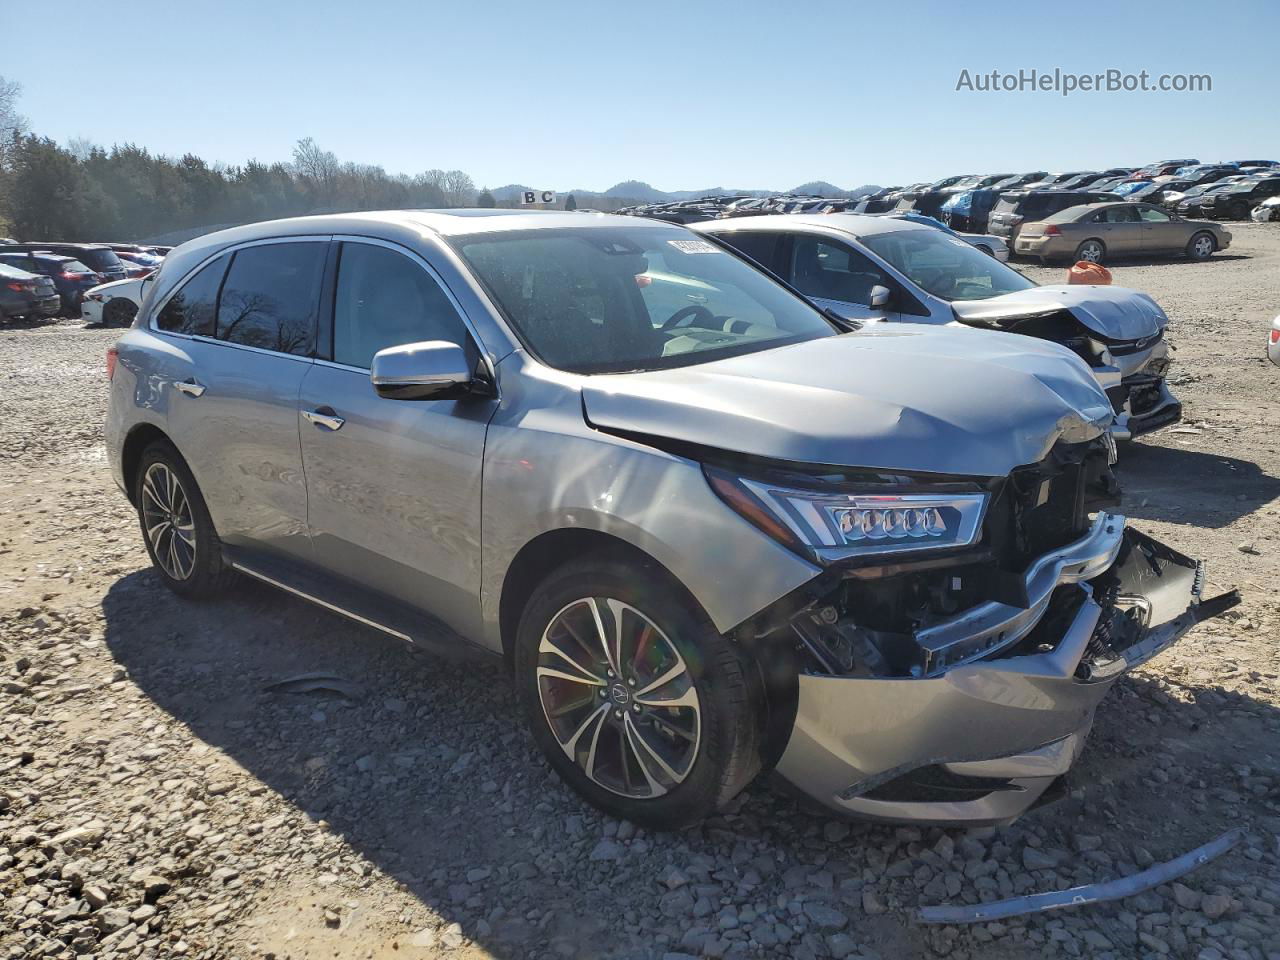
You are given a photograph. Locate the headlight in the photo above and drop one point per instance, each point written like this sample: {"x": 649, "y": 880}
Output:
{"x": 838, "y": 526}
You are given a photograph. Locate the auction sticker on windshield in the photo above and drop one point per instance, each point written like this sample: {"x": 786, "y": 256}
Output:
{"x": 695, "y": 246}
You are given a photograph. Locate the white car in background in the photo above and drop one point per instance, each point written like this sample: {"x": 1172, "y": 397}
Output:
{"x": 1267, "y": 210}
{"x": 1273, "y": 342}
{"x": 112, "y": 304}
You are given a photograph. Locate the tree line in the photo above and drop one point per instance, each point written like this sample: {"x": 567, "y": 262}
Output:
{"x": 82, "y": 191}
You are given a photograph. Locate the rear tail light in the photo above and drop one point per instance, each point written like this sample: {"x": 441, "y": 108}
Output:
{"x": 112, "y": 355}
{"x": 1053, "y": 230}
{"x": 1275, "y": 336}
{"x": 22, "y": 287}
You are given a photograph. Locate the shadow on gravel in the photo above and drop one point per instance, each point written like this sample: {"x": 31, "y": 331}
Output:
{"x": 429, "y": 775}
{"x": 1179, "y": 485}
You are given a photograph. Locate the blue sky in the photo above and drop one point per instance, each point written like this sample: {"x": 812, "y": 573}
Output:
{"x": 683, "y": 94}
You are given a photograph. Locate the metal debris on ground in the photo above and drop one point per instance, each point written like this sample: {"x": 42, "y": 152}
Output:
{"x": 313, "y": 682}
{"x": 1090, "y": 892}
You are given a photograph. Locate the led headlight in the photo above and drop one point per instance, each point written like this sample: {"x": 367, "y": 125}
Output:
{"x": 835, "y": 526}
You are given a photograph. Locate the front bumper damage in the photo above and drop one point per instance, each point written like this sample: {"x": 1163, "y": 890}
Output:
{"x": 1006, "y": 698}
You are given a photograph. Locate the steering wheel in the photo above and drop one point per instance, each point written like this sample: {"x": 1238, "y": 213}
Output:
{"x": 696, "y": 311}
{"x": 936, "y": 280}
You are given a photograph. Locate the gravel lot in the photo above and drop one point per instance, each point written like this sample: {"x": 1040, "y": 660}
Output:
{"x": 157, "y": 801}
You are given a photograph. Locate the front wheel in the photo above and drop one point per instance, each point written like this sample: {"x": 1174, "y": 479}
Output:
{"x": 636, "y": 700}
{"x": 1091, "y": 251}
{"x": 1201, "y": 246}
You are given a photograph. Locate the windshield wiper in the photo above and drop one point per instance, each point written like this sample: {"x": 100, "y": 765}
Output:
{"x": 844, "y": 323}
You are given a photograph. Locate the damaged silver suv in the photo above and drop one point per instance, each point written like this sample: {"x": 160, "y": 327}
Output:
{"x": 711, "y": 531}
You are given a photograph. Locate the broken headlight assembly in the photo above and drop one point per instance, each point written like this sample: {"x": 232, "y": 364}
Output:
{"x": 836, "y": 525}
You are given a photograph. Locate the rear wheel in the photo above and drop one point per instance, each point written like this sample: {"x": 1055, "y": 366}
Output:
{"x": 176, "y": 526}
{"x": 1239, "y": 211}
{"x": 1201, "y": 246}
{"x": 119, "y": 313}
{"x": 636, "y": 700}
{"x": 1091, "y": 251}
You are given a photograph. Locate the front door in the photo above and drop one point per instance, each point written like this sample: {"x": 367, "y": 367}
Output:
{"x": 1160, "y": 232}
{"x": 394, "y": 485}
{"x": 832, "y": 274}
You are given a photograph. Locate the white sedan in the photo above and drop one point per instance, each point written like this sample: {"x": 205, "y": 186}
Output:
{"x": 112, "y": 304}
{"x": 1273, "y": 342}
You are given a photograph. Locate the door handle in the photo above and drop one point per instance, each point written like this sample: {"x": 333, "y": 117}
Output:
{"x": 189, "y": 387}
{"x": 324, "y": 417}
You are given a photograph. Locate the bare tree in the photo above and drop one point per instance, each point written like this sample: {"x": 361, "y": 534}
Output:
{"x": 310, "y": 161}
{"x": 80, "y": 148}
{"x": 459, "y": 189}
{"x": 12, "y": 123}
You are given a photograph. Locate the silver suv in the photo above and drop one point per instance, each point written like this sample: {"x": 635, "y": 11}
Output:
{"x": 711, "y": 531}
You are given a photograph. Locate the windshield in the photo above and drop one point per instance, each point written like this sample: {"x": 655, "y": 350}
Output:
{"x": 946, "y": 266}
{"x": 599, "y": 300}
{"x": 102, "y": 259}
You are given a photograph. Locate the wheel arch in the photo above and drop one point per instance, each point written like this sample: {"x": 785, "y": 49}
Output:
{"x": 137, "y": 440}
{"x": 549, "y": 550}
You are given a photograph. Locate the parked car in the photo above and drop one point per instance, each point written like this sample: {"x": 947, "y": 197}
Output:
{"x": 113, "y": 304}
{"x": 98, "y": 257}
{"x": 70, "y": 277}
{"x": 875, "y": 270}
{"x": 1161, "y": 168}
{"x": 1236, "y": 200}
{"x": 992, "y": 246}
{"x": 1173, "y": 200}
{"x": 1104, "y": 232}
{"x": 1267, "y": 211}
{"x": 655, "y": 516}
{"x": 25, "y": 294}
{"x": 1273, "y": 342}
{"x": 133, "y": 269}
{"x": 1014, "y": 207}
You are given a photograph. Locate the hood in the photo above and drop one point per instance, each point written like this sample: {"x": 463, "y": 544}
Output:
{"x": 932, "y": 400}
{"x": 1115, "y": 313}
{"x": 117, "y": 288}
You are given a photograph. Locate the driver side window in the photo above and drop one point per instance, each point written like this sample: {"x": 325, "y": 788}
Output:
{"x": 383, "y": 299}
{"x": 833, "y": 271}
{"x": 1152, "y": 215}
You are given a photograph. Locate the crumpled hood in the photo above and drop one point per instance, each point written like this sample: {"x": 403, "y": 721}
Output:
{"x": 1116, "y": 313}
{"x": 931, "y": 400}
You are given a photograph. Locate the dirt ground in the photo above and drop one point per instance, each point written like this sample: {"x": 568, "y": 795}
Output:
{"x": 156, "y": 800}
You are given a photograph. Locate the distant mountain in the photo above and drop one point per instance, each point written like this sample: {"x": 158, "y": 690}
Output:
{"x": 637, "y": 191}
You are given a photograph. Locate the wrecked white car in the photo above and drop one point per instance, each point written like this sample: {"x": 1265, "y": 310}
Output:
{"x": 875, "y": 269}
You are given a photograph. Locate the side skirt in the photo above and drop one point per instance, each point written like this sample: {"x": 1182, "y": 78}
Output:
{"x": 363, "y": 605}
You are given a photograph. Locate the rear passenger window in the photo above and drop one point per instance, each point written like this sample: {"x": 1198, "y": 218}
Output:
{"x": 271, "y": 295}
{"x": 760, "y": 247}
{"x": 384, "y": 299}
{"x": 191, "y": 309}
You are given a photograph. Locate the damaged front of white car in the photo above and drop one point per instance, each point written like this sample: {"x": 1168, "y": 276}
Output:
{"x": 1119, "y": 333}
{"x": 876, "y": 270}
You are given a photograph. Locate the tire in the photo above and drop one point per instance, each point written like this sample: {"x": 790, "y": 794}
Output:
{"x": 1092, "y": 251}
{"x": 1201, "y": 246}
{"x": 1239, "y": 211}
{"x": 710, "y": 745}
{"x": 119, "y": 313}
{"x": 183, "y": 546}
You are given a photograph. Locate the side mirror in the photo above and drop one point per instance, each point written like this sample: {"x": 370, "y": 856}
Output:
{"x": 434, "y": 370}
{"x": 880, "y": 297}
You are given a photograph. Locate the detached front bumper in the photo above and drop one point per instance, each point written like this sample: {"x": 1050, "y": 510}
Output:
{"x": 982, "y": 741}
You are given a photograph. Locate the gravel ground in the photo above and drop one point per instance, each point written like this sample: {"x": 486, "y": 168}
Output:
{"x": 157, "y": 801}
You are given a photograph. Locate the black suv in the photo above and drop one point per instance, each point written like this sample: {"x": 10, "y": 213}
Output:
{"x": 98, "y": 257}
{"x": 1016, "y": 207}
{"x": 1235, "y": 201}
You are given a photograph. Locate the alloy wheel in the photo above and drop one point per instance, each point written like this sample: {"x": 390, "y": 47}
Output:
{"x": 1203, "y": 246}
{"x": 1092, "y": 252}
{"x": 618, "y": 697}
{"x": 167, "y": 520}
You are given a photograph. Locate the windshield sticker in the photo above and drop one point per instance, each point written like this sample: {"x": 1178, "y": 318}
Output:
{"x": 694, "y": 246}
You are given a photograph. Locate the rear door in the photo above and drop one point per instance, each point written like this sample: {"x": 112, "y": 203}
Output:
{"x": 245, "y": 326}
{"x": 394, "y": 484}
{"x": 1124, "y": 230}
